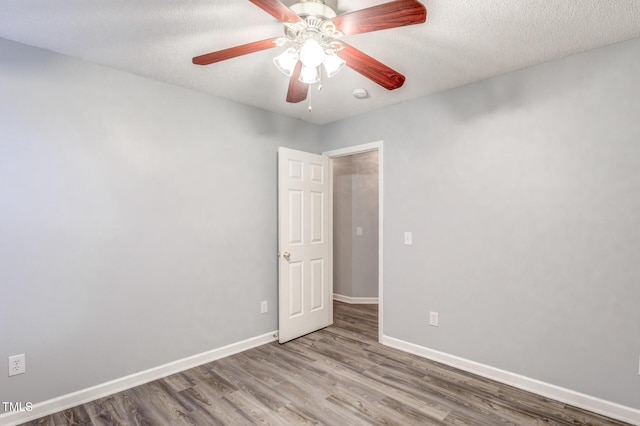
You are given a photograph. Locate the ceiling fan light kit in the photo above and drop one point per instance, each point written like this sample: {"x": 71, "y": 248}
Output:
{"x": 312, "y": 29}
{"x": 314, "y": 43}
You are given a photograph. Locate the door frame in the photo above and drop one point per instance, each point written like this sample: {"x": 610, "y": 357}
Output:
{"x": 358, "y": 149}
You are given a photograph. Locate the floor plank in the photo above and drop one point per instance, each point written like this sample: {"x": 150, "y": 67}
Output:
{"x": 337, "y": 376}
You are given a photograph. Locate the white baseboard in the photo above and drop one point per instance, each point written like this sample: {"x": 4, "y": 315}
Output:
{"x": 64, "y": 402}
{"x": 567, "y": 396}
{"x": 355, "y": 300}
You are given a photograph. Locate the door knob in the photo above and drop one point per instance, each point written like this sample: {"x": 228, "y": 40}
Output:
{"x": 286, "y": 255}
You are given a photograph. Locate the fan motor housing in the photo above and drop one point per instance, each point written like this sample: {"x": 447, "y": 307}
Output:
{"x": 313, "y": 8}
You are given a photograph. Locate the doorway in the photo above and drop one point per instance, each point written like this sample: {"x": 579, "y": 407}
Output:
{"x": 356, "y": 196}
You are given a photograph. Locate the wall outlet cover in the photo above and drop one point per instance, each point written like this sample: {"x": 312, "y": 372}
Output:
{"x": 17, "y": 365}
{"x": 434, "y": 320}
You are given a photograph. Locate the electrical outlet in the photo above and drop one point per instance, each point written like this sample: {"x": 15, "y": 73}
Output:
{"x": 433, "y": 319}
{"x": 264, "y": 307}
{"x": 17, "y": 365}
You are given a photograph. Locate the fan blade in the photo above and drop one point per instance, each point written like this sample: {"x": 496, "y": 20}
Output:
{"x": 387, "y": 15}
{"x": 372, "y": 69}
{"x": 233, "y": 52}
{"x": 297, "y": 90}
{"x": 278, "y": 10}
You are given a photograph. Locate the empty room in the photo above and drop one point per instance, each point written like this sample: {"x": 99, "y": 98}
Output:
{"x": 320, "y": 212}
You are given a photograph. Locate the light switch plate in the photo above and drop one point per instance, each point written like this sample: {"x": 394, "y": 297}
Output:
{"x": 359, "y": 231}
{"x": 408, "y": 238}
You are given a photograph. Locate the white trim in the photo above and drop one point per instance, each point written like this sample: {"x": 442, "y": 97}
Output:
{"x": 357, "y": 149}
{"x": 355, "y": 300}
{"x": 73, "y": 399}
{"x": 331, "y": 286}
{"x": 567, "y": 396}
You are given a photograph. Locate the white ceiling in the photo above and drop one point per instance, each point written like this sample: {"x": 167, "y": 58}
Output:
{"x": 462, "y": 41}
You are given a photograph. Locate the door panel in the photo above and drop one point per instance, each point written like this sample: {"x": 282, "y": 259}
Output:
{"x": 317, "y": 284}
{"x": 305, "y": 283}
{"x": 316, "y": 210}
{"x": 296, "y": 291}
{"x": 296, "y": 221}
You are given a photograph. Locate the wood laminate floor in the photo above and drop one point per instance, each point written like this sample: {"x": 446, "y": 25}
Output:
{"x": 337, "y": 376}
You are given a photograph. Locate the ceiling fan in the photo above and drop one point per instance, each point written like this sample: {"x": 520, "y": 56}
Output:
{"x": 314, "y": 32}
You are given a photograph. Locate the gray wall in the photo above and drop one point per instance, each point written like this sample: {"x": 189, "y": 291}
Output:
{"x": 523, "y": 195}
{"x": 125, "y": 205}
{"x": 137, "y": 221}
{"x": 343, "y": 230}
{"x": 355, "y": 196}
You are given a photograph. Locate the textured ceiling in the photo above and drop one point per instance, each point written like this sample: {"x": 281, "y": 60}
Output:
{"x": 462, "y": 41}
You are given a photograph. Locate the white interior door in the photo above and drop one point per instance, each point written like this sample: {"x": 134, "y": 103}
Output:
{"x": 305, "y": 281}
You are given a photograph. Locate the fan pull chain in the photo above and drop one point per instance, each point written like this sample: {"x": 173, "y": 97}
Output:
{"x": 319, "y": 88}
